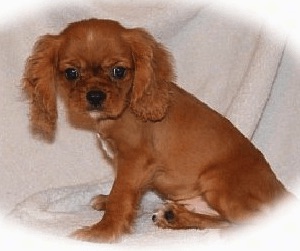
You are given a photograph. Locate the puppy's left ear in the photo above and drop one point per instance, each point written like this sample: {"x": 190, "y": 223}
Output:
{"x": 152, "y": 77}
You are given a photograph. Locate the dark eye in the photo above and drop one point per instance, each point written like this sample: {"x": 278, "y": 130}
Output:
{"x": 118, "y": 72}
{"x": 71, "y": 74}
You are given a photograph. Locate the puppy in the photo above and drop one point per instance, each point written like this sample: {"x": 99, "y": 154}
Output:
{"x": 119, "y": 82}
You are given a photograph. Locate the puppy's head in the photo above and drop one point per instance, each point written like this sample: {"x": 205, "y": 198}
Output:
{"x": 101, "y": 69}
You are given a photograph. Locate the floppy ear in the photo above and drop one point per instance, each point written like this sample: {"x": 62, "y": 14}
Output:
{"x": 39, "y": 84}
{"x": 152, "y": 77}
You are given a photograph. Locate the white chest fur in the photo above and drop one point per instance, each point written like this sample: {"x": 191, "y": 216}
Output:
{"x": 106, "y": 147}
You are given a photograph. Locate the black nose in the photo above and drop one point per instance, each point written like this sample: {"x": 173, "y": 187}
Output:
{"x": 95, "y": 98}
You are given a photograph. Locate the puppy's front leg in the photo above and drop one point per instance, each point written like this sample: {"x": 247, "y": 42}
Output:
{"x": 99, "y": 202}
{"x": 121, "y": 205}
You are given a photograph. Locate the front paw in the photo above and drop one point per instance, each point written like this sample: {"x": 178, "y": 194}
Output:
{"x": 97, "y": 233}
{"x": 99, "y": 202}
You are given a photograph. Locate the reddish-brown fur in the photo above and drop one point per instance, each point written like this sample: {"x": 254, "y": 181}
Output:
{"x": 162, "y": 137}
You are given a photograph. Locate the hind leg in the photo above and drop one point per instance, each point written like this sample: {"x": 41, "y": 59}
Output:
{"x": 176, "y": 216}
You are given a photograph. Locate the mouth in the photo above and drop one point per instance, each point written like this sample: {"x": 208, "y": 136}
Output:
{"x": 95, "y": 114}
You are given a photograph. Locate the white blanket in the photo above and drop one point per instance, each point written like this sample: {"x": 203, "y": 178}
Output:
{"x": 241, "y": 70}
{"x": 61, "y": 211}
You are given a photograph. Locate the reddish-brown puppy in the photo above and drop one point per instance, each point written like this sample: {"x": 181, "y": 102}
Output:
{"x": 119, "y": 82}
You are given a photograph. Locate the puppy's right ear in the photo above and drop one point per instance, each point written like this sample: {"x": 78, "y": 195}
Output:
{"x": 39, "y": 84}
